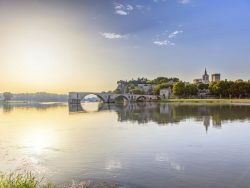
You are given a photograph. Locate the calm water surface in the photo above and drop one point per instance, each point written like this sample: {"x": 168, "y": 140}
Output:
{"x": 137, "y": 145}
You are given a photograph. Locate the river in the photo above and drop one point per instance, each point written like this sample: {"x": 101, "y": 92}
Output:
{"x": 133, "y": 145}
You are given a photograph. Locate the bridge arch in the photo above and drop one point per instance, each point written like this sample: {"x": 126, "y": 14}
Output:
{"x": 141, "y": 99}
{"x": 122, "y": 97}
{"x": 94, "y": 94}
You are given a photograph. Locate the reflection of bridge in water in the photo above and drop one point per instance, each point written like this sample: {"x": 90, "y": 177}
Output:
{"x": 164, "y": 114}
{"x": 77, "y": 97}
{"x": 126, "y": 107}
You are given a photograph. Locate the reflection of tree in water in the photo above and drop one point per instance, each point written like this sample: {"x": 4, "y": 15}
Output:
{"x": 218, "y": 113}
{"x": 172, "y": 113}
{"x": 8, "y": 107}
{"x": 146, "y": 112}
{"x": 164, "y": 114}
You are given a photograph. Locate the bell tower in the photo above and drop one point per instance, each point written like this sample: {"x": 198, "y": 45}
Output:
{"x": 205, "y": 77}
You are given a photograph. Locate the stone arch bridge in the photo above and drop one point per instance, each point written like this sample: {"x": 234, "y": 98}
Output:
{"x": 76, "y": 97}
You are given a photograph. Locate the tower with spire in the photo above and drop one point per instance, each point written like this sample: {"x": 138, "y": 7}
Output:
{"x": 205, "y": 77}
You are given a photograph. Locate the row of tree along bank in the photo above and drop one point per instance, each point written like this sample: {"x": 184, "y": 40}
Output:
{"x": 221, "y": 89}
{"x": 180, "y": 89}
{"x": 230, "y": 89}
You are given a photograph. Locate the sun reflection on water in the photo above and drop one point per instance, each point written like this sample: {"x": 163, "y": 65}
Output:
{"x": 39, "y": 140}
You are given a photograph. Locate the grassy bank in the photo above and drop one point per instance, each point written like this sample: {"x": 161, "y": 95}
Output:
{"x": 27, "y": 180}
{"x": 219, "y": 101}
{"x": 18, "y": 180}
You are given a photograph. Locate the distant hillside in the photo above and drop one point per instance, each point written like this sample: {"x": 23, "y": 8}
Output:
{"x": 40, "y": 97}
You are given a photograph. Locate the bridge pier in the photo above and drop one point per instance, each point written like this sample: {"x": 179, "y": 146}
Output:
{"x": 74, "y": 101}
{"x": 74, "y": 98}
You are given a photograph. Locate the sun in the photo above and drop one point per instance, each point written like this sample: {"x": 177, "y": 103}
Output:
{"x": 38, "y": 58}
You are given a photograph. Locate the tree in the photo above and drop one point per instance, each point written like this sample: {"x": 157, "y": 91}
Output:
{"x": 117, "y": 91}
{"x": 175, "y": 79}
{"x": 7, "y": 96}
{"x": 228, "y": 89}
{"x": 161, "y": 80}
{"x": 191, "y": 90}
{"x": 202, "y": 86}
{"x": 248, "y": 89}
{"x": 179, "y": 89}
{"x": 239, "y": 89}
{"x": 137, "y": 91}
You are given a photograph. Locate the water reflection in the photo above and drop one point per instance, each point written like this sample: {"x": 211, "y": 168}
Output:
{"x": 164, "y": 114}
{"x": 9, "y": 107}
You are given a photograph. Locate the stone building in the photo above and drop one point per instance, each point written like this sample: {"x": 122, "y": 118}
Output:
{"x": 121, "y": 86}
{"x": 146, "y": 88}
{"x": 203, "y": 80}
{"x": 205, "y": 77}
{"x": 216, "y": 77}
{"x": 197, "y": 81}
{"x": 165, "y": 93}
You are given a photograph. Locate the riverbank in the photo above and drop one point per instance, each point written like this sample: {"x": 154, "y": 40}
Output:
{"x": 209, "y": 101}
{"x": 22, "y": 180}
{"x": 29, "y": 180}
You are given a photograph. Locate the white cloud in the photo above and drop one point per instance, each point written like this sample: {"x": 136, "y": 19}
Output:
{"x": 173, "y": 34}
{"x": 184, "y": 1}
{"x": 130, "y": 7}
{"x": 113, "y": 36}
{"x": 163, "y": 43}
{"x": 123, "y": 10}
{"x": 166, "y": 38}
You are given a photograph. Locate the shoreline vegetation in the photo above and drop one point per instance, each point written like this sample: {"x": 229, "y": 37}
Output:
{"x": 205, "y": 101}
{"x": 23, "y": 180}
{"x": 29, "y": 180}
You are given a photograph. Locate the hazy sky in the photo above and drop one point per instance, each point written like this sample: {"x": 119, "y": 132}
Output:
{"x": 87, "y": 45}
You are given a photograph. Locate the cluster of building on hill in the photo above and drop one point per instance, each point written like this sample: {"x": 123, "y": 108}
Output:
{"x": 163, "y": 86}
{"x": 205, "y": 78}
{"x": 146, "y": 87}
{"x": 204, "y": 82}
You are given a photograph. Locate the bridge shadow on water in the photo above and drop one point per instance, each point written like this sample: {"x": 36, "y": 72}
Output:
{"x": 164, "y": 114}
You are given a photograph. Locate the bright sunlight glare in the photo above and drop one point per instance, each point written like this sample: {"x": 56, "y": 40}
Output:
{"x": 39, "y": 140}
{"x": 38, "y": 58}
